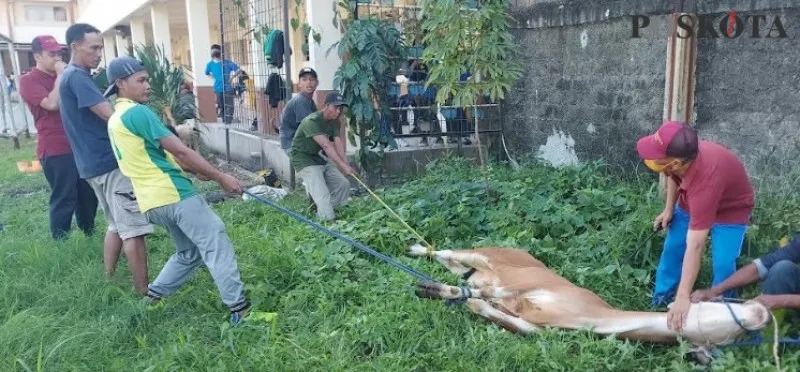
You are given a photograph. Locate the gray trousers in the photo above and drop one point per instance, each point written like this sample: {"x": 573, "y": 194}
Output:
{"x": 200, "y": 238}
{"x": 328, "y": 187}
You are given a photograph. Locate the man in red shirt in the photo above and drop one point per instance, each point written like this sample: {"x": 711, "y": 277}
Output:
{"x": 69, "y": 193}
{"x": 713, "y": 194}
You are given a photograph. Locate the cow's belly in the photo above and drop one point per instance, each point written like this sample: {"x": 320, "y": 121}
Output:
{"x": 563, "y": 308}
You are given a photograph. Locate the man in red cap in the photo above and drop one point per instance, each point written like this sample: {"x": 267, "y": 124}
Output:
{"x": 69, "y": 193}
{"x": 708, "y": 192}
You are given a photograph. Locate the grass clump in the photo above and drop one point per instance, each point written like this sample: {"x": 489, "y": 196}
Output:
{"x": 339, "y": 310}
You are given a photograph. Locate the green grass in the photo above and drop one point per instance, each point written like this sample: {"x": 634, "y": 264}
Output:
{"x": 339, "y": 310}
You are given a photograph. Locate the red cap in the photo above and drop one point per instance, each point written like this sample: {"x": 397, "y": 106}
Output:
{"x": 45, "y": 43}
{"x": 673, "y": 139}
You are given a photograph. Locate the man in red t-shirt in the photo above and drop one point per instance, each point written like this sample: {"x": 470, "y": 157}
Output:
{"x": 69, "y": 193}
{"x": 713, "y": 194}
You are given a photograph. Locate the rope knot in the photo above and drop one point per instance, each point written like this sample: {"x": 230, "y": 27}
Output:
{"x": 429, "y": 250}
{"x": 466, "y": 293}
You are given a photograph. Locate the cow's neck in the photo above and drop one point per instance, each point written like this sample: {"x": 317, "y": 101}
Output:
{"x": 710, "y": 323}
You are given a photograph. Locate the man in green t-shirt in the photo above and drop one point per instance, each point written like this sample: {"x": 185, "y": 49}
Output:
{"x": 322, "y": 131}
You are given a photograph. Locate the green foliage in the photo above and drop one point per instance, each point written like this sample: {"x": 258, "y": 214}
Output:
{"x": 339, "y": 310}
{"x": 307, "y": 29}
{"x": 166, "y": 80}
{"x": 371, "y": 51}
{"x": 458, "y": 39}
{"x": 101, "y": 79}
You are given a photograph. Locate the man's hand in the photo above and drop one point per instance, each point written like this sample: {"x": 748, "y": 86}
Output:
{"x": 230, "y": 184}
{"x": 704, "y": 295}
{"x": 663, "y": 219}
{"x": 677, "y": 314}
{"x": 60, "y": 66}
{"x": 769, "y": 301}
{"x": 348, "y": 171}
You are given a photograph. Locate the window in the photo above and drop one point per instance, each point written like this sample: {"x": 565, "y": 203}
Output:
{"x": 45, "y": 13}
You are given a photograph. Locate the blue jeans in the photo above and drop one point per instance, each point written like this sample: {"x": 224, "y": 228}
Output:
{"x": 783, "y": 278}
{"x": 726, "y": 245}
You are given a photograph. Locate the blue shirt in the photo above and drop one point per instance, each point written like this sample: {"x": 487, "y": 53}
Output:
{"x": 86, "y": 132}
{"x": 221, "y": 71}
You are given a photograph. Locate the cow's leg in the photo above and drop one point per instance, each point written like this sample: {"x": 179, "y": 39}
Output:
{"x": 447, "y": 292}
{"x": 457, "y": 262}
{"x": 510, "y": 323}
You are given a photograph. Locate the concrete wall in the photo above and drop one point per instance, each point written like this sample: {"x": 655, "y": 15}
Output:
{"x": 256, "y": 152}
{"x": 748, "y": 90}
{"x": 590, "y": 90}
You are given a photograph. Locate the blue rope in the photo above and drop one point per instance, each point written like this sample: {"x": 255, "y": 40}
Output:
{"x": 352, "y": 242}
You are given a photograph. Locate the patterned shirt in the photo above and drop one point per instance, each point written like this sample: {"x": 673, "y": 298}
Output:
{"x": 157, "y": 179}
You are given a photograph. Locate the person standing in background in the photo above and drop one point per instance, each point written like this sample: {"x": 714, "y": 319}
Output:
{"x": 223, "y": 72}
{"x": 298, "y": 107}
{"x": 85, "y": 113}
{"x": 69, "y": 194}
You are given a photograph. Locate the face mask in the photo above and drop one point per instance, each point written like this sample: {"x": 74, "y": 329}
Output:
{"x": 658, "y": 168}
{"x": 672, "y": 166}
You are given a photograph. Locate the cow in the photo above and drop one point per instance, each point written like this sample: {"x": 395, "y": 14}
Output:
{"x": 513, "y": 289}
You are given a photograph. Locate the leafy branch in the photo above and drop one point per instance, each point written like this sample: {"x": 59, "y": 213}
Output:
{"x": 371, "y": 52}
{"x": 461, "y": 40}
{"x": 307, "y": 29}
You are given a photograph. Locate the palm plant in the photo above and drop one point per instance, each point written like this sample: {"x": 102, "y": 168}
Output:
{"x": 166, "y": 80}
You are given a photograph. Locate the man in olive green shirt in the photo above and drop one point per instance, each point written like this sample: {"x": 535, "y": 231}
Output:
{"x": 322, "y": 131}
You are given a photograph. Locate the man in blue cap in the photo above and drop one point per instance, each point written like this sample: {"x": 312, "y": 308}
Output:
{"x": 154, "y": 159}
{"x": 322, "y": 131}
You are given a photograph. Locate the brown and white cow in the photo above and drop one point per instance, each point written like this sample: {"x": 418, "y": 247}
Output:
{"x": 510, "y": 287}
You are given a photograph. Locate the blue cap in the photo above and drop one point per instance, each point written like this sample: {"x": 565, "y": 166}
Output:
{"x": 335, "y": 99}
{"x": 121, "y": 68}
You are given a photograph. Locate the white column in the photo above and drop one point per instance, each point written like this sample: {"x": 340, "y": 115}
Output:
{"x": 319, "y": 14}
{"x": 138, "y": 37}
{"x": 258, "y": 16}
{"x": 109, "y": 47}
{"x": 199, "y": 40}
{"x": 160, "y": 20}
{"x": 122, "y": 45}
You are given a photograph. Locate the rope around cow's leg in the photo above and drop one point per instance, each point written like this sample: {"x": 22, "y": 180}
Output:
{"x": 466, "y": 293}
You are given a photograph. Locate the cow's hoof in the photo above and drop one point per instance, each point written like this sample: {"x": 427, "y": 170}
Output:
{"x": 417, "y": 250}
{"x": 427, "y": 289}
{"x": 703, "y": 355}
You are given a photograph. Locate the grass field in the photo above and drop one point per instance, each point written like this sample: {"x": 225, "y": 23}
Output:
{"x": 339, "y": 310}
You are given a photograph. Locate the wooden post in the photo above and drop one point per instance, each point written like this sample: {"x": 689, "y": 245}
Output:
{"x": 679, "y": 79}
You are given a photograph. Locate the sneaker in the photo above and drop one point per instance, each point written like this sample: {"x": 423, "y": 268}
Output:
{"x": 153, "y": 301}
{"x": 239, "y": 316}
